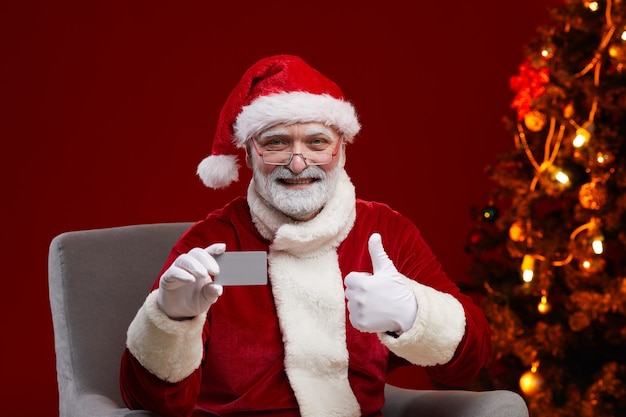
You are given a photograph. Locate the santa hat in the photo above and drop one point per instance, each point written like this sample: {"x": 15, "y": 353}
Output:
{"x": 277, "y": 89}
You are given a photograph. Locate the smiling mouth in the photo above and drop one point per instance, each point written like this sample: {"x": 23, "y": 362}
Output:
{"x": 298, "y": 181}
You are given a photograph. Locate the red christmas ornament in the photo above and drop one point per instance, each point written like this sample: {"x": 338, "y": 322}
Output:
{"x": 529, "y": 84}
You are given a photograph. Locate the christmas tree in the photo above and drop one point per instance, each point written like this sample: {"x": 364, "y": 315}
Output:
{"x": 549, "y": 247}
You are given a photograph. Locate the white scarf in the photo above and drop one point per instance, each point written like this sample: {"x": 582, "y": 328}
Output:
{"x": 310, "y": 301}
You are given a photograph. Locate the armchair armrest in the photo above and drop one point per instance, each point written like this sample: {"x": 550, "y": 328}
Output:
{"x": 403, "y": 402}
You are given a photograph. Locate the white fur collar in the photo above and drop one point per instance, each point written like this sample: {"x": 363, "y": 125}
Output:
{"x": 308, "y": 291}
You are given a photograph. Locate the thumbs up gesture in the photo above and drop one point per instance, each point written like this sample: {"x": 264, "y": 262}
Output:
{"x": 380, "y": 302}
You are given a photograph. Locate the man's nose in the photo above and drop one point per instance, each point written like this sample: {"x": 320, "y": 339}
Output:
{"x": 298, "y": 163}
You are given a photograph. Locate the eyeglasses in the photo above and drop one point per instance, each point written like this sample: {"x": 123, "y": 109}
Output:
{"x": 312, "y": 157}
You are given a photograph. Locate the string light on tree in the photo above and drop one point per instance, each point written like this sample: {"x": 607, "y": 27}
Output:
{"x": 583, "y": 134}
{"x": 561, "y": 177}
{"x": 547, "y": 51}
{"x": 604, "y": 159}
{"x": 596, "y": 237}
{"x": 528, "y": 268}
{"x": 592, "y": 265}
{"x": 592, "y": 5}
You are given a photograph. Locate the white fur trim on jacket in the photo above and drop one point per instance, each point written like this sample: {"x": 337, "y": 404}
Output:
{"x": 438, "y": 329}
{"x": 169, "y": 349}
{"x": 311, "y": 311}
{"x": 295, "y": 107}
{"x": 310, "y": 301}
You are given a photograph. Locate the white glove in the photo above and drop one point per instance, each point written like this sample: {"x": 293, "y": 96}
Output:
{"x": 186, "y": 288}
{"x": 380, "y": 302}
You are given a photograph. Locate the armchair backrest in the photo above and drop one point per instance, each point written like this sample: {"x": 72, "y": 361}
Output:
{"x": 98, "y": 279}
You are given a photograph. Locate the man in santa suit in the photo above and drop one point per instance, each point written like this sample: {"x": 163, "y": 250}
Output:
{"x": 353, "y": 289}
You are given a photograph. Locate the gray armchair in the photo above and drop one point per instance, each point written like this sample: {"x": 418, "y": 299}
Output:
{"x": 98, "y": 279}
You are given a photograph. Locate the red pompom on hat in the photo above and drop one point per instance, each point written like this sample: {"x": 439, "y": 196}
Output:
{"x": 277, "y": 89}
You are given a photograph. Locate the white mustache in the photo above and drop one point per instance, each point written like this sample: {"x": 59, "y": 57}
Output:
{"x": 285, "y": 173}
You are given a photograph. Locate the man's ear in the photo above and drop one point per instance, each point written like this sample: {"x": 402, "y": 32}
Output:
{"x": 343, "y": 149}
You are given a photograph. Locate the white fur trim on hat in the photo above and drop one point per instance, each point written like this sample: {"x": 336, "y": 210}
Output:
{"x": 295, "y": 107}
{"x": 218, "y": 171}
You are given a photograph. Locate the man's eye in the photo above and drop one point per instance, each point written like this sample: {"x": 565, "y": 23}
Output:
{"x": 274, "y": 144}
{"x": 319, "y": 143}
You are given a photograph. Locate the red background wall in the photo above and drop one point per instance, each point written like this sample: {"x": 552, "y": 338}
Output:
{"x": 107, "y": 107}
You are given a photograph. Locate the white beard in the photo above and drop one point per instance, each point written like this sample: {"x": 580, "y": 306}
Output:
{"x": 300, "y": 203}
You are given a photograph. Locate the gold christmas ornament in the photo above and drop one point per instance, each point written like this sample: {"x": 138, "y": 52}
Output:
{"x": 593, "y": 195}
{"x": 618, "y": 52}
{"x": 535, "y": 121}
{"x": 578, "y": 321}
{"x": 568, "y": 111}
{"x": 544, "y": 307}
{"x": 531, "y": 382}
{"x": 517, "y": 232}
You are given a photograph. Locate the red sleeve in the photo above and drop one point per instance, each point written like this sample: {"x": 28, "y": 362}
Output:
{"x": 475, "y": 348}
{"x": 414, "y": 259}
{"x": 142, "y": 390}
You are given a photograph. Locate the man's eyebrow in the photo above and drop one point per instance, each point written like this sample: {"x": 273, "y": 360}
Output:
{"x": 273, "y": 132}
{"x": 312, "y": 131}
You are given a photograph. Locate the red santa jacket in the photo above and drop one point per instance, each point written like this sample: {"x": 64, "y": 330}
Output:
{"x": 242, "y": 368}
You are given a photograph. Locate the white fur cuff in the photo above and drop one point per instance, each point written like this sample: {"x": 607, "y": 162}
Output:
{"x": 169, "y": 349}
{"x": 437, "y": 331}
